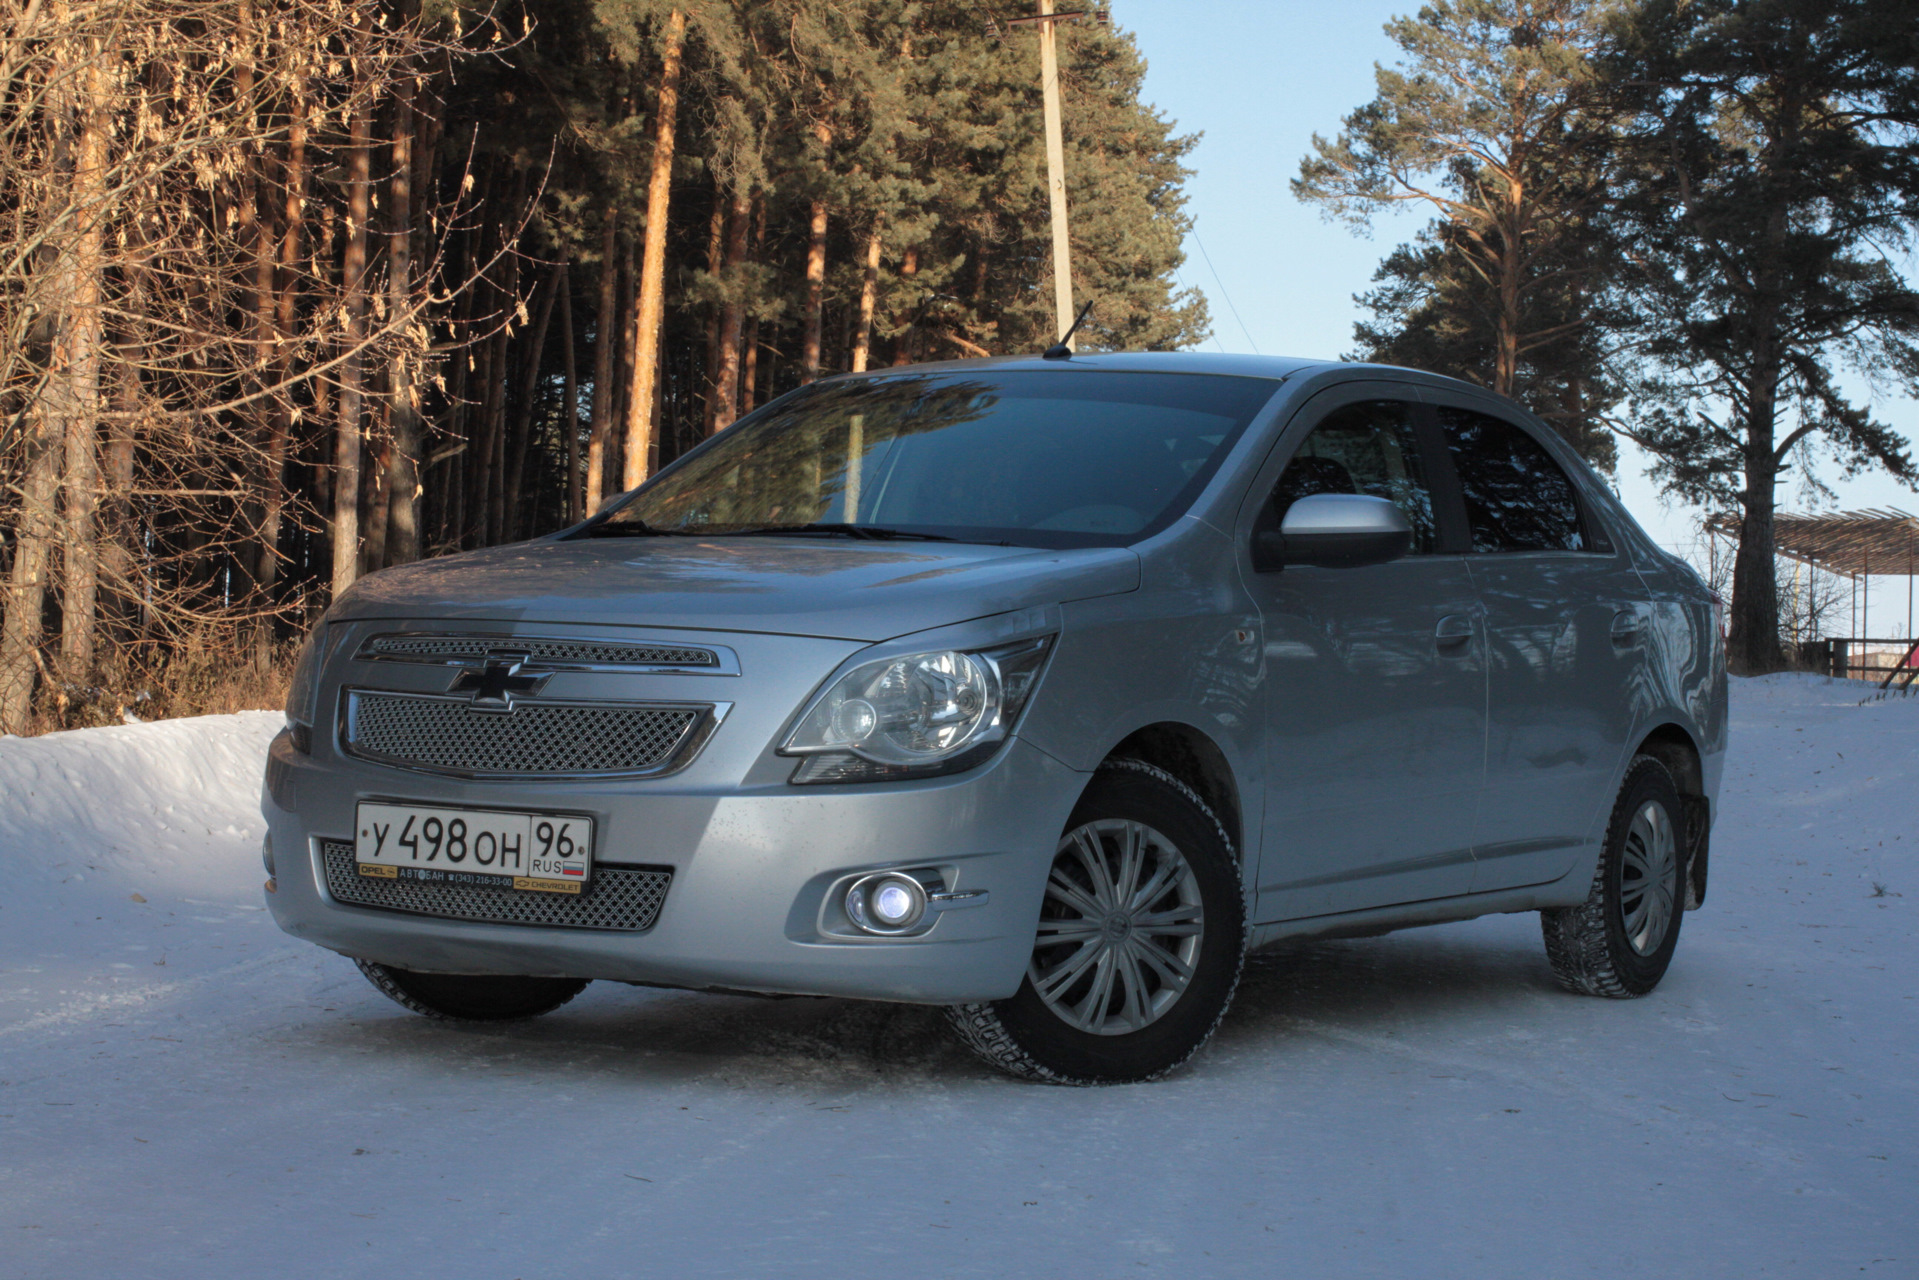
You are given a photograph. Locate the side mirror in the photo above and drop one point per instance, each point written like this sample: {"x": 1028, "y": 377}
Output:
{"x": 1334, "y": 531}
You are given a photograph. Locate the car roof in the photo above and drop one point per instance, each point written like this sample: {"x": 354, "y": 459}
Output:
{"x": 1116, "y": 361}
{"x": 1208, "y": 362}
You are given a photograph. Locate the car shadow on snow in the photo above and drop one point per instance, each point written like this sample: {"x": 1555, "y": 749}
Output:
{"x": 1423, "y": 980}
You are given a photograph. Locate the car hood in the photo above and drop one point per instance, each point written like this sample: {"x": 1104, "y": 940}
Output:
{"x": 833, "y": 588}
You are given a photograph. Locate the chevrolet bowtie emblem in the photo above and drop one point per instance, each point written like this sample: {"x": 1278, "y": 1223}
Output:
{"x": 495, "y": 685}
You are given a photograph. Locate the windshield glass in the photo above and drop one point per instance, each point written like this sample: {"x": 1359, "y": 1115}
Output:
{"x": 1051, "y": 459}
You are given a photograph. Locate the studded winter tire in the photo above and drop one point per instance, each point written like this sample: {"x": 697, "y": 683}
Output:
{"x": 471, "y": 997}
{"x": 1141, "y": 936}
{"x": 1620, "y": 940}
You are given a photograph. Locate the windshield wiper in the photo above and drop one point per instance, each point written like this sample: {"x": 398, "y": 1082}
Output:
{"x": 631, "y": 529}
{"x": 868, "y": 532}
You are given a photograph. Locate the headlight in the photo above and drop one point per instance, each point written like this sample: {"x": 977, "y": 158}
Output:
{"x": 304, "y": 690}
{"x": 916, "y": 715}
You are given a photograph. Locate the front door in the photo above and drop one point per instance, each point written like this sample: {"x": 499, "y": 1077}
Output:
{"x": 1375, "y": 679}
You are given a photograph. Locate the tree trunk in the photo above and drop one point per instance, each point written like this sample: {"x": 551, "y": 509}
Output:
{"x": 869, "y": 294}
{"x": 716, "y": 241}
{"x": 34, "y": 533}
{"x": 286, "y": 307}
{"x": 492, "y": 491}
{"x": 84, "y": 330}
{"x": 69, "y": 303}
{"x": 659, "y": 190}
{"x": 606, "y": 323}
{"x": 375, "y": 501}
{"x": 750, "y": 358}
{"x": 347, "y": 433}
{"x": 256, "y": 232}
{"x": 118, "y": 517}
{"x": 489, "y": 495}
{"x": 629, "y": 351}
{"x": 815, "y": 294}
{"x": 403, "y": 396}
{"x": 733, "y": 317}
{"x": 903, "y": 340}
{"x": 570, "y": 405}
{"x": 1506, "y": 323}
{"x": 320, "y": 262}
{"x": 529, "y": 397}
{"x": 452, "y": 484}
{"x": 1752, "y": 642}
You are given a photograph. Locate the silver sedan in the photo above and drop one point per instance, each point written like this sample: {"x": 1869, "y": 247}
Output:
{"x": 1042, "y": 689}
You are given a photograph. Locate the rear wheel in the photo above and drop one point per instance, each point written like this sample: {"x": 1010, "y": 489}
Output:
{"x": 1141, "y": 937}
{"x": 1620, "y": 940}
{"x": 461, "y": 997}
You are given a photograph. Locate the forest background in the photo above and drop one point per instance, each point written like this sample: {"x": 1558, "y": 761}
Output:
{"x": 297, "y": 289}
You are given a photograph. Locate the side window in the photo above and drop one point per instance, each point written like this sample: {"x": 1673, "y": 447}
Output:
{"x": 1517, "y": 497}
{"x": 1367, "y": 448}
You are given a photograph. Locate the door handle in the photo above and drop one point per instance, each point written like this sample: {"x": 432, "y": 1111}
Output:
{"x": 1627, "y": 626}
{"x": 1453, "y": 629}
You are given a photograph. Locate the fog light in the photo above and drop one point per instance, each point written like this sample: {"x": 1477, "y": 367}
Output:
{"x": 886, "y": 904}
{"x": 266, "y": 853}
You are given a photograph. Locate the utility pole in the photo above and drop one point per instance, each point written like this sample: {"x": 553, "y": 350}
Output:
{"x": 1047, "y": 20}
{"x": 1055, "y": 172}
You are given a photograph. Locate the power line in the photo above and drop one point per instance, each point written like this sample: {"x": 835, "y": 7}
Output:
{"x": 1222, "y": 288}
{"x": 1181, "y": 277}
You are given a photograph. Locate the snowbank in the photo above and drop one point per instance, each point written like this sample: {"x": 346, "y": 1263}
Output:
{"x": 167, "y": 810}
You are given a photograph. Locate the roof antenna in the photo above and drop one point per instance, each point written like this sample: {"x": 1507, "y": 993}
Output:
{"x": 1059, "y": 350}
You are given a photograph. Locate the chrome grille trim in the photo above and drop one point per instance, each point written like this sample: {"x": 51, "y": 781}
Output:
{"x": 618, "y": 898}
{"x": 532, "y": 739}
{"x": 549, "y": 653}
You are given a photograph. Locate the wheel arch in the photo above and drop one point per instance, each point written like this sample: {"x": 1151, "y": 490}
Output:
{"x": 1191, "y": 755}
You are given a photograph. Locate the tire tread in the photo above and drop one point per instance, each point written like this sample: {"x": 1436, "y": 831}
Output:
{"x": 1577, "y": 938}
{"x": 383, "y": 979}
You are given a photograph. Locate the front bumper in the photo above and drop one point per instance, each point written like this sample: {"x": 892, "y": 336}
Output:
{"x": 753, "y": 868}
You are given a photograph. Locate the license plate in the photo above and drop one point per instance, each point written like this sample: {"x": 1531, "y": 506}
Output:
{"x": 536, "y": 852}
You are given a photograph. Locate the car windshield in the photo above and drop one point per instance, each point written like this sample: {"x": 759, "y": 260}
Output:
{"x": 1033, "y": 458}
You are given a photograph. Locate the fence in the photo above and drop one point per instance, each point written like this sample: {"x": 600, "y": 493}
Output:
{"x": 1863, "y": 658}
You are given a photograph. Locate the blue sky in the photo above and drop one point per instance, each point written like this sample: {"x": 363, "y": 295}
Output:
{"x": 1258, "y": 80}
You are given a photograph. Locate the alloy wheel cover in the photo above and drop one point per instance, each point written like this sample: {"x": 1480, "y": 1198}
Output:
{"x": 1120, "y": 928}
{"x": 1646, "y": 878}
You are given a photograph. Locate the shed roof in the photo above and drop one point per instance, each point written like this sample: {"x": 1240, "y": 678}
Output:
{"x": 1866, "y": 541}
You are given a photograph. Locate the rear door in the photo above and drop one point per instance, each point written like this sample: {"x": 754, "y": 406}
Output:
{"x": 1566, "y": 619}
{"x": 1374, "y": 677}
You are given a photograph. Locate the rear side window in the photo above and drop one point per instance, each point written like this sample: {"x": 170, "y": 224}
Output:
{"x": 1517, "y": 497}
{"x": 1366, "y": 448}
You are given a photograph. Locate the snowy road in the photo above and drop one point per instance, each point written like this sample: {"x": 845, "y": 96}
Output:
{"x": 184, "y": 1092}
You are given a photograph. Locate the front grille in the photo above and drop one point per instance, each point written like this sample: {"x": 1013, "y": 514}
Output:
{"x": 544, "y": 652}
{"x": 618, "y": 898}
{"x": 448, "y": 735}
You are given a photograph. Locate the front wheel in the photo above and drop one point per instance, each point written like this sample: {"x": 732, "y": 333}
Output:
{"x": 1141, "y": 936}
{"x": 460, "y": 997}
{"x": 1620, "y": 940}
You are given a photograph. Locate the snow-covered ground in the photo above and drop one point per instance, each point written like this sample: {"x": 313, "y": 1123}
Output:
{"x": 185, "y": 1092}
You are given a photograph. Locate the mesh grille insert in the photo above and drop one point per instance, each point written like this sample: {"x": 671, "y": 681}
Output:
{"x": 617, "y": 898}
{"x": 532, "y": 739}
{"x": 582, "y": 652}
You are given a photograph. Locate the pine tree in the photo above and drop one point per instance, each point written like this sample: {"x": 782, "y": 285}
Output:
{"x": 1775, "y": 166}
{"x": 1490, "y": 123}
